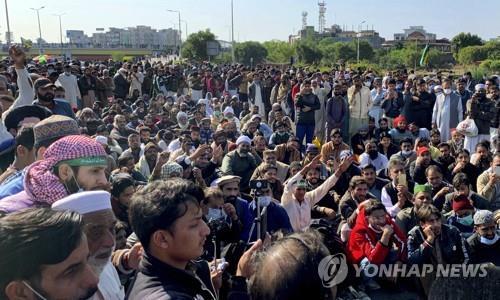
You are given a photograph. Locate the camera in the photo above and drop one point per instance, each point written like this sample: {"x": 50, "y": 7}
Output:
{"x": 258, "y": 184}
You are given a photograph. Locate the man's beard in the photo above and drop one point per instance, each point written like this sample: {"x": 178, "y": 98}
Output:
{"x": 98, "y": 264}
{"x": 231, "y": 199}
{"x": 48, "y": 97}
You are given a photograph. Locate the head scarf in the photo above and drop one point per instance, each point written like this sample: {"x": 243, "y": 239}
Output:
{"x": 40, "y": 182}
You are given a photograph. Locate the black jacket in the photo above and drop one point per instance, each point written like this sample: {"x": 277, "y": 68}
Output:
{"x": 481, "y": 253}
{"x": 157, "y": 280}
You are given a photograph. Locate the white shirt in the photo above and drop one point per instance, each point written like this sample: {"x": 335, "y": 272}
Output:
{"x": 379, "y": 163}
{"x": 387, "y": 202}
{"x": 300, "y": 212}
{"x": 70, "y": 85}
{"x": 109, "y": 285}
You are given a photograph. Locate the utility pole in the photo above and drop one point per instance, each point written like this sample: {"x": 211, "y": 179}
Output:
{"x": 39, "y": 28}
{"x": 9, "y": 38}
{"x": 180, "y": 32}
{"x": 232, "y": 33}
{"x": 359, "y": 35}
{"x": 60, "y": 31}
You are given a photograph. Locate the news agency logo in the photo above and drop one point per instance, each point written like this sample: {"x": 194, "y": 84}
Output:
{"x": 333, "y": 270}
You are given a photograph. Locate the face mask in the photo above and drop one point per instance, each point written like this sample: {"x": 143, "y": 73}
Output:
{"x": 368, "y": 83}
{"x": 447, "y": 91}
{"x": 34, "y": 291}
{"x": 264, "y": 201}
{"x": 406, "y": 152}
{"x": 67, "y": 73}
{"x": 488, "y": 241}
{"x": 215, "y": 214}
{"x": 467, "y": 221}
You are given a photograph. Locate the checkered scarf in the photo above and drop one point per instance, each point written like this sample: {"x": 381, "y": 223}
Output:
{"x": 41, "y": 184}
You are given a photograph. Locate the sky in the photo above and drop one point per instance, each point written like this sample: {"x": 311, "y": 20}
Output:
{"x": 257, "y": 20}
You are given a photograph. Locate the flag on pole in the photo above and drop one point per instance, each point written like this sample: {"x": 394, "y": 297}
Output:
{"x": 423, "y": 58}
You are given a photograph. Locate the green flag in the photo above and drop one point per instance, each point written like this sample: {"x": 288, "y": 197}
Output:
{"x": 423, "y": 58}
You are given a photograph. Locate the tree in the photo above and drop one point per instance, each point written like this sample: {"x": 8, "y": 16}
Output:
{"x": 308, "y": 53}
{"x": 344, "y": 51}
{"x": 463, "y": 40}
{"x": 472, "y": 54}
{"x": 365, "y": 49}
{"x": 279, "y": 51}
{"x": 195, "y": 47}
{"x": 247, "y": 51}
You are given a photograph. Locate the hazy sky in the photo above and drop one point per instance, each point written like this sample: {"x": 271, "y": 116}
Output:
{"x": 253, "y": 20}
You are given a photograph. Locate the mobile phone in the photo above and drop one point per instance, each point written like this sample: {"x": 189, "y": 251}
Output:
{"x": 401, "y": 180}
{"x": 497, "y": 170}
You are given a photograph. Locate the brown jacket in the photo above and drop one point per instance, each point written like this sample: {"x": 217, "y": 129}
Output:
{"x": 328, "y": 151}
{"x": 281, "y": 152}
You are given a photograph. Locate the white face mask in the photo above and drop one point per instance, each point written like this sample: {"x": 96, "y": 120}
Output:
{"x": 488, "y": 241}
{"x": 34, "y": 291}
{"x": 67, "y": 73}
{"x": 215, "y": 214}
{"x": 264, "y": 201}
{"x": 406, "y": 152}
{"x": 368, "y": 83}
{"x": 447, "y": 91}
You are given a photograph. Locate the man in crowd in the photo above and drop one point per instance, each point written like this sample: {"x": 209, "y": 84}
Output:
{"x": 484, "y": 244}
{"x": 99, "y": 222}
{"x": 447, "y": 111}
{"x": 30, "y": 268}
{"x": 71, "y": 164}
{"x": 70, "y": 84}
{"x": 360, "y": 102}
{"x": 240, "y": 162}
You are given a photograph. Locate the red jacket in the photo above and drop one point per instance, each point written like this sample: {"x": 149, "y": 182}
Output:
{"x": 363, "y": 242}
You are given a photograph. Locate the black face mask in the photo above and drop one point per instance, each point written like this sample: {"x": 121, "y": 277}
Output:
{"x": 48, "y": 97}
{"x": 373, "y": 154}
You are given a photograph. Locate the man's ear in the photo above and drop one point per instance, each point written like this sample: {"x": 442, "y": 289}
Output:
{"x": 161, "y": 239}
{"x": 17, "y": 290}
{"x": 40, "y": 152}
{"x": 21, "y": 151}
{"x": 65, "y": 172}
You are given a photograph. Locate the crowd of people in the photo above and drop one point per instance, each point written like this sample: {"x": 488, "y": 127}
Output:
{"x": 191, "y": 180}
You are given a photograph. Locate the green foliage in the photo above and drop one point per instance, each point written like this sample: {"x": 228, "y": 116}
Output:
{"x": 117, "y": 55}
{"x": 308, "y": 53}
{"x": 279, "y": 51}
{"x": 245, "y": 51}
{"x": 365, "y": 50}
{"x": 463, "y": 40}
{"x": 195, "y": 47}
{"x": 472, "y": 54}
{"x": 223, "y": 58}
{"x": 438, "y": 59}
{"x": 490, "y": 65}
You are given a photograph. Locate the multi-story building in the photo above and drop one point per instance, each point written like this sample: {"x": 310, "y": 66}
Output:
{"x": 140, "y": 37}
{"x": 421, "y": 37}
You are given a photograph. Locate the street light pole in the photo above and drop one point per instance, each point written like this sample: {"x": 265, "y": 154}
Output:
{"x": 180, "y": 31}
{"x": 60, "y": 30}
{"x": 39, "y": 27}
{"x": 232, "y": 33}
{"x": 9, "y": 38}
{"x": 186, "y": 27}
{"x": 359, "y": 35}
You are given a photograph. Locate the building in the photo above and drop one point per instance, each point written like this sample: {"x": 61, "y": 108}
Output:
{"x": 415, "y": 33}
{"x": 418, "y": 35}
{"x": 337, "y": 34}
{"x": 139, "y": 37}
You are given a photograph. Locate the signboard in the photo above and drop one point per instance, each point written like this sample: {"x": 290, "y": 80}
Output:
{"x": 99, "y": 29}
{"x": 213, "y": 48}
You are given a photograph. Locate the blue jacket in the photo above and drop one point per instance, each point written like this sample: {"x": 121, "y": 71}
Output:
{"x": 277, "y": 219}
{"x": 243, "y": 213}
{"x": 13, "y": 186}
{"x": 61, "y": 107}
